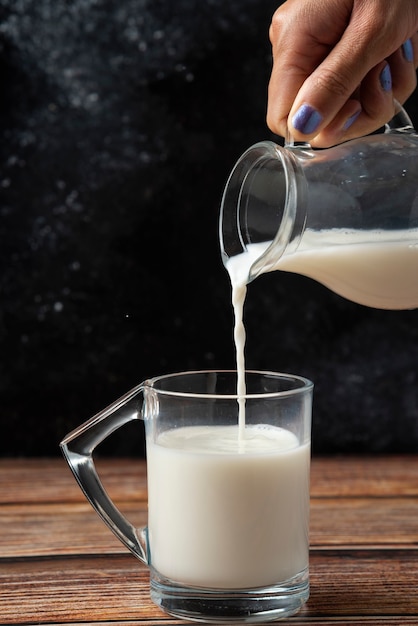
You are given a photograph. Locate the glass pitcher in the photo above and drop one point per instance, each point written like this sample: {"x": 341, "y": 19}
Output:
{"x": 346, "y": 216}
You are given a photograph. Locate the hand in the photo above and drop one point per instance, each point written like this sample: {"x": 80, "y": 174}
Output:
{"x": 338, "y": 66}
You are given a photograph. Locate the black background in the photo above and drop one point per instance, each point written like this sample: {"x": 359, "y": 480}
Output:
{"x": 120, "y": 122}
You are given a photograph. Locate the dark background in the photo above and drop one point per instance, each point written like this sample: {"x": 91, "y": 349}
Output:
{"x": 120, "y": 122}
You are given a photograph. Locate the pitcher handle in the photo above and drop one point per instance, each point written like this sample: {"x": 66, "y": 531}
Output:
{"x": 400, "y": 122}
{"x": 78, "y": 447}
{"x": 289, "y": 142}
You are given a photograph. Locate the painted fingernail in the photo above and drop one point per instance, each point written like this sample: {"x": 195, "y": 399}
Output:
{"x": 306, "y": 119}
{"x": 408, "y": 50}
{"x": 386, "y": 78}
{"x": 350, "y": 121}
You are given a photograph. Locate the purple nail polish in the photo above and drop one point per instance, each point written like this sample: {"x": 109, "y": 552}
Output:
{"x": 350, "y": 121}
{"x": 408, "y": 51}
{"x": 306, "y": 119}
{"x": 386, "y": 78}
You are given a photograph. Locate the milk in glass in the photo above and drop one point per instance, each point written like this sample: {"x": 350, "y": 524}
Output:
{"x": 227, "y": 514}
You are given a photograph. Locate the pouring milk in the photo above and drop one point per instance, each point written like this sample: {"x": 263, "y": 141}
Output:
{"x": 238, "y": 268}
{"x": 209, "y": 484}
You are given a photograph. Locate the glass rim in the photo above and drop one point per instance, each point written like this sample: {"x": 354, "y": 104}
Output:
{"x": 306, "y": 385}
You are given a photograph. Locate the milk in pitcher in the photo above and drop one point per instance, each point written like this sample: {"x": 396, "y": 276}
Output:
{"x": 378, "y": 270}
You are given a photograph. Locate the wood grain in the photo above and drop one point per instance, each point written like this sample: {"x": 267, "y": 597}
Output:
{"x": 75, "y": 529}
{"x": 349, "y": 584}
{"x": 50, "y": 480}
{"x": 59, "y": 564}
{"x": 377, "y": 476}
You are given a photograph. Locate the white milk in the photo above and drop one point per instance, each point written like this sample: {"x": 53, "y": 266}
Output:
{"x": 378, "y": 273}
{"x": 228, "y": 514}
{"x": 238, "y": 269}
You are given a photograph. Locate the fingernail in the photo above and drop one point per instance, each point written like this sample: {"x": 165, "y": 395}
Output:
{"x": 408, "y": 50}
{"x": 386, "y": 78}
{"x": 306, "y": 119}
{"x": 351, "y": 120}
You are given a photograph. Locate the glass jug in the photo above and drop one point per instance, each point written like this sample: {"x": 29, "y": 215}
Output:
{"x": 346, "y": 216}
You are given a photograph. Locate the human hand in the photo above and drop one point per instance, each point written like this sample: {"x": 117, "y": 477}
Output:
{"x": 339, "y": 65}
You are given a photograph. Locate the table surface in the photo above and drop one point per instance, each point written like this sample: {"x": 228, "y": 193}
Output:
{"x": 60, "y": 564}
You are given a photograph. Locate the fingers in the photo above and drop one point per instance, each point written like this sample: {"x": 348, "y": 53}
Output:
{"x": 389, "y": 81}
{"x": 402, "y": 64}
{"x": 375, "y": 106}
{"x": 336, "y": 72}
{"x": 322, "y": 99}
{"x": 302, "y": 35}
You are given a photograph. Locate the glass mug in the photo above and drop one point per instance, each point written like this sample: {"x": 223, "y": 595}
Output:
{"x": 228, "y": 508}
{"x": 346, "y": 216}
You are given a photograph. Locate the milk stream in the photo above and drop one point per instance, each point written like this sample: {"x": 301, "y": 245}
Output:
{"x": 238, "y": 268}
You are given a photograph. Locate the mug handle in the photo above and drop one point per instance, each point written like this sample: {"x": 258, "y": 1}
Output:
{"x": 78, "y": 447}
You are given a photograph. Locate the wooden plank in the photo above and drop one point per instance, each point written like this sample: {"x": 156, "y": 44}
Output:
{"x": 360, "y": 583}
{"x": 349, "y": 522}
{"x": 379, "y": 476}
{"x": 60, "y": 529}
{"x": 51, "y": 480}
{"x": 295, "y": 621}
{"x": 75, "y": 529}
{"x": 61, "y": 564}
{"x": 80, "y": 589}
{"x": 355, "y": 586}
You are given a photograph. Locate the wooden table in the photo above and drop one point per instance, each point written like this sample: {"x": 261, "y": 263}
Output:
{"x": 60, "y": 564}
